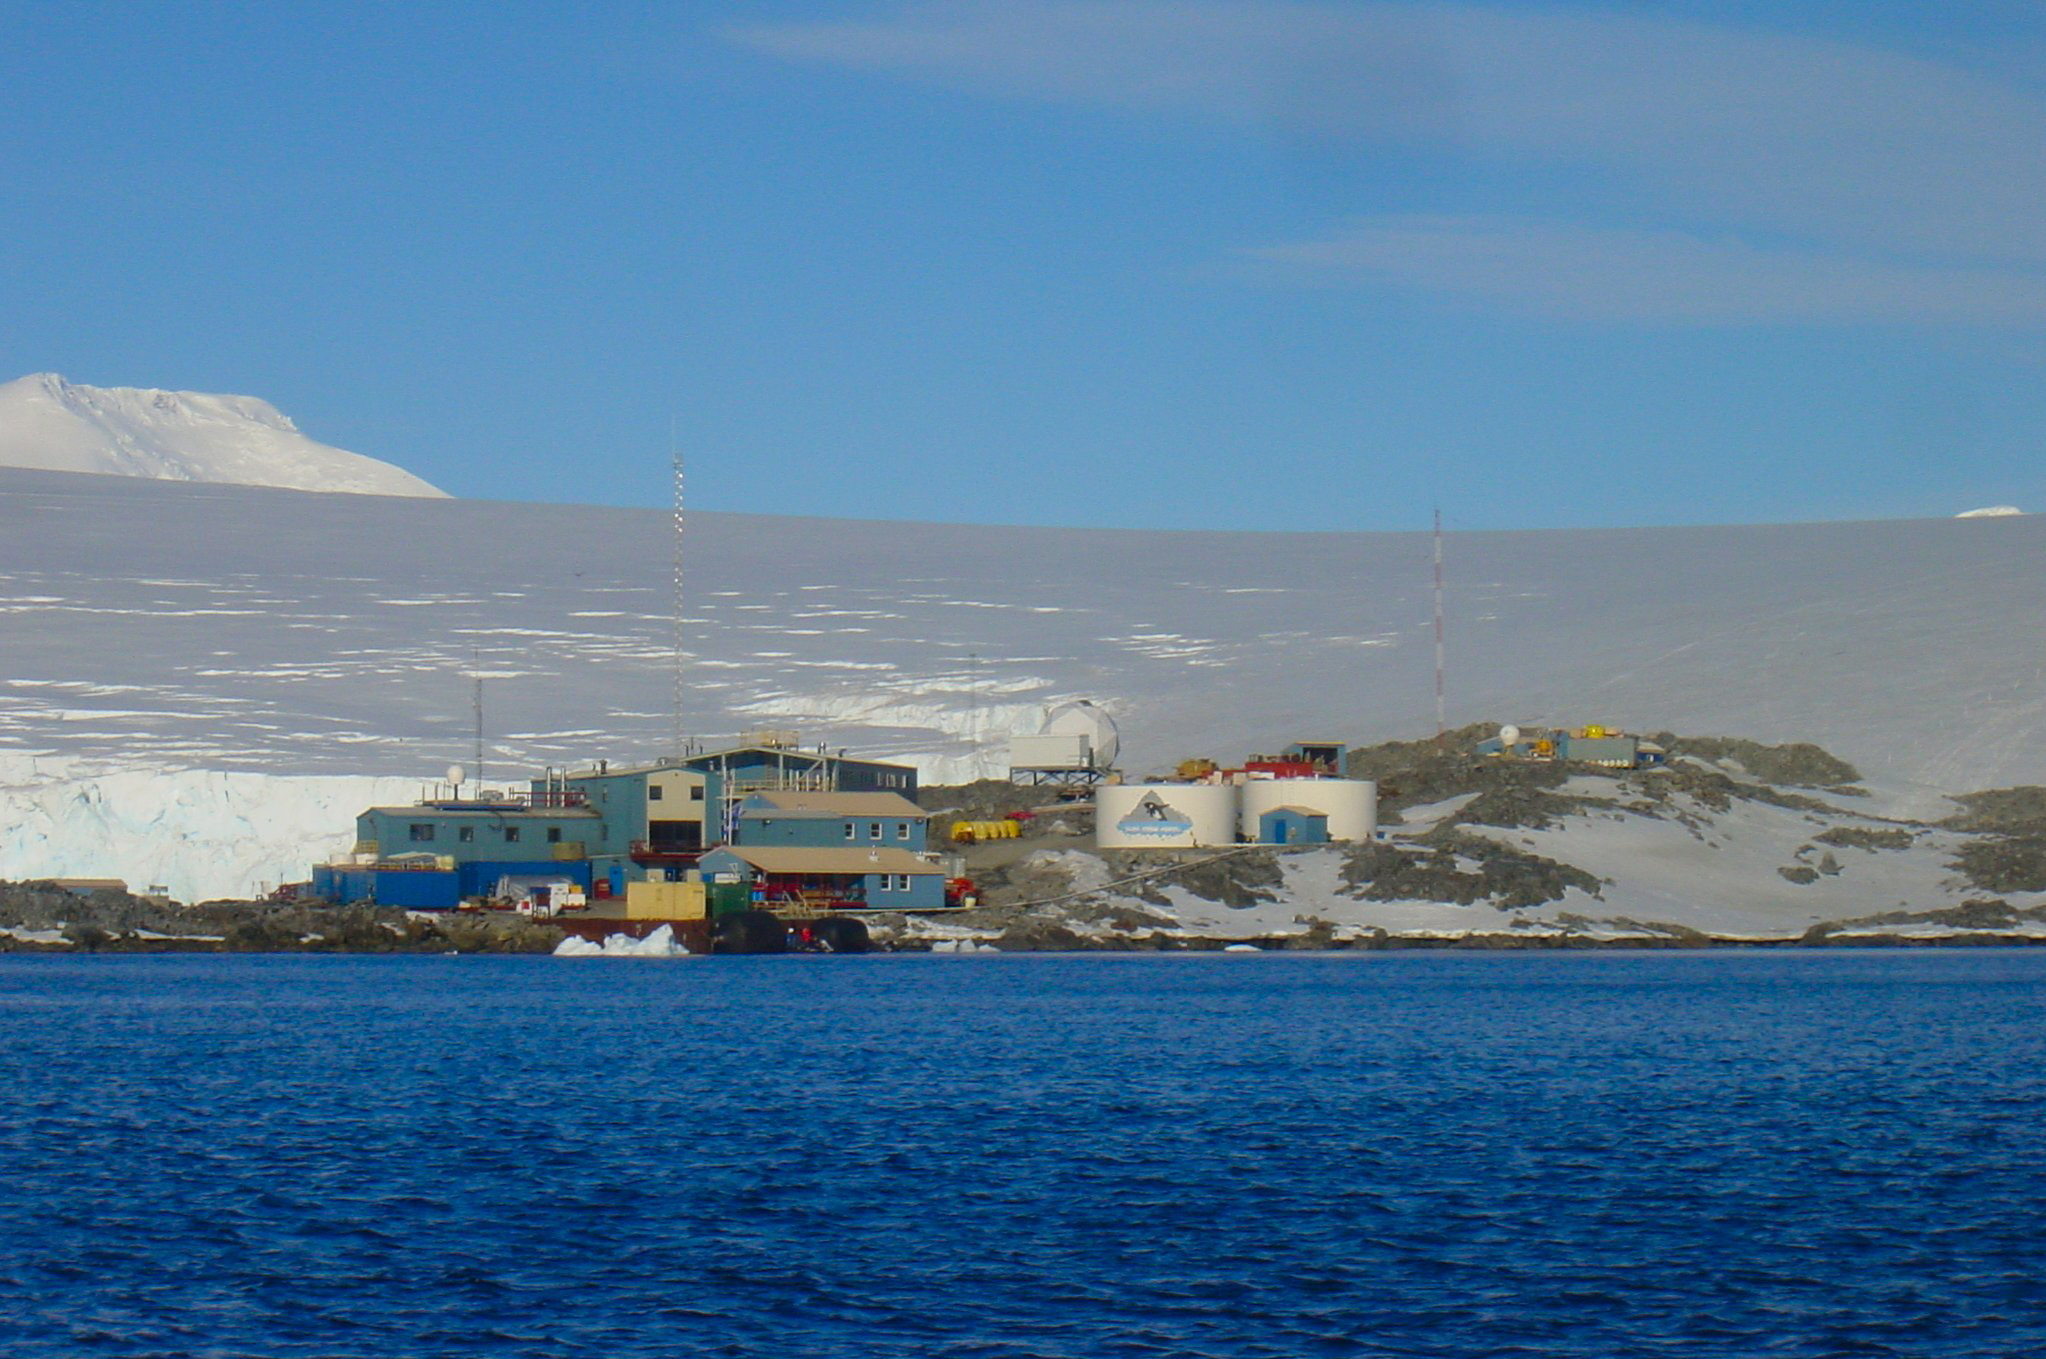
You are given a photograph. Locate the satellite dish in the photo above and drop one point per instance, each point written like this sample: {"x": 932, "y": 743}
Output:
{"x": 1509, "y": 735}
{"x": 456, "y": 774}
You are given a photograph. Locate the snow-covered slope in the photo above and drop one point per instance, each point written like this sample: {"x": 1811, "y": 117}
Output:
{"x": 1653, "y": 856}
{"x": 46, "y": 422}
{"x": 152, "y": 625}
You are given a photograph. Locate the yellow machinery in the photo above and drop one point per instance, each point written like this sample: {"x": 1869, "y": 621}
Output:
{"x": 974, "y": 832}
{"x": 1193, "y": 771}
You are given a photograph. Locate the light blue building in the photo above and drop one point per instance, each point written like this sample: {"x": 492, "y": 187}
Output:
{"x": 603, "y": 828}
{"x": 805, "y": 879}
{"x": 833, "y": 820}
{"x": 1292, "y": 826}
{"x": 434, "y": 855}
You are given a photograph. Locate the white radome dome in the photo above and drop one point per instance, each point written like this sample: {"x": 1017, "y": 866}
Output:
{"x": 1081, "y": 718}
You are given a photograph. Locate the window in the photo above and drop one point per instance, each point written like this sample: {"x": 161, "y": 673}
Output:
{"x": 696, "y": 793}
{"x": 873, "y": 830}
{"x": 554, "y": 835}
{"x": 902, "y": 830}
{"x": 511, "y": 833}
{"x": 653, "y": 792}
{"x": 849, "y": 830}
{"x": 466, "y": 834}
{"x": 902, "y": 882}
{"x": 422, "y": 830}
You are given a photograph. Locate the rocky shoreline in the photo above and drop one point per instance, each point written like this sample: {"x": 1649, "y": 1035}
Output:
{"x": 42, "y": 918}
{"x": 1733, "y": 845}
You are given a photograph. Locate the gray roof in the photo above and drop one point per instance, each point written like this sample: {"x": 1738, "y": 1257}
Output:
{"x": 841, "y": 804}
{"x": 836, "y": 859}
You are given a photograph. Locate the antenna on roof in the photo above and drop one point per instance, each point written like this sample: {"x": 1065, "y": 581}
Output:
{"x": 675, "y": 461}
{"x": 1441, "y": 722}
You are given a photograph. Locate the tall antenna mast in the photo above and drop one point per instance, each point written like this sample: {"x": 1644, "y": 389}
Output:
{"x": 675, "y": 460}
{"x": 476, "y": 670}
{"x": 1441, "y": 720}
{"x": 973, "y": 710}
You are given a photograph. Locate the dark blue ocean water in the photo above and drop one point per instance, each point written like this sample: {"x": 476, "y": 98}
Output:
{"x": 1530, "y": 1155}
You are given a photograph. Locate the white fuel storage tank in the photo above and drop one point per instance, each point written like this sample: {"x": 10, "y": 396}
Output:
{"x": 1164, "y": 815}
{"x": 1351, "y": 805}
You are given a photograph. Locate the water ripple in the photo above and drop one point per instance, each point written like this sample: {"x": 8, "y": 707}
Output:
{"x": 1346, "y": 1156}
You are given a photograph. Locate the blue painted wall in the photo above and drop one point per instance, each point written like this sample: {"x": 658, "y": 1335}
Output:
{"x": 620, "y": 802}
{"x": 924, "y": 892}
{"x": 884, "y": 892}
{"x": 420, "y": 889}
{"x": 763, "y": 825}
{"x": 1281, "y": 827}
{"x": 391, "y": 829}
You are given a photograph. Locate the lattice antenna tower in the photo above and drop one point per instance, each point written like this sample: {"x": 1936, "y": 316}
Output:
{"x": 679, "y": 639}
{"x": 476, "y": 673}
{"x": 973, "y": 706}
{"x": 1441, "y": 712}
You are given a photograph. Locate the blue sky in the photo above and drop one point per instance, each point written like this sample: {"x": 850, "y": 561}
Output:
{"x": 1155, "y": 265}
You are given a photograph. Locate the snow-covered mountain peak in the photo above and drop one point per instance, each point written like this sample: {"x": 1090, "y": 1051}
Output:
{"x": 49, "y": 423}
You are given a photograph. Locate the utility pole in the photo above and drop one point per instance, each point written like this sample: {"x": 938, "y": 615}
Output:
{"x": 1441, "y": 712}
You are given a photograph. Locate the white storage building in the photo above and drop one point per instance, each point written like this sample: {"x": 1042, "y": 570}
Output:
{"x": 1165, "y": 815}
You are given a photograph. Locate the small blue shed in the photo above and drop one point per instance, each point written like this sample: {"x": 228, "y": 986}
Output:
{"x": 1292, "y": 826}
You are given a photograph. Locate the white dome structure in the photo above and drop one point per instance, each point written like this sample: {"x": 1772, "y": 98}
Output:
{"x": 1081, "y": 718}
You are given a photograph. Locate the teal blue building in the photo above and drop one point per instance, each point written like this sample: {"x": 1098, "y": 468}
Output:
{"x": 1292, "y": 826}
{"x": 833, "y": 821}
{"x": 434, "y": 855}
{"x": 809, "y": 880}
{"x": 654, "y": 820}
{"x": 602, "y": 828}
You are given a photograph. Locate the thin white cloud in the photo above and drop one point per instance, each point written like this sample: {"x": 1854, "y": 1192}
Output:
{"x": 1580, "y": 272}
{"x": 1862, "y": 154}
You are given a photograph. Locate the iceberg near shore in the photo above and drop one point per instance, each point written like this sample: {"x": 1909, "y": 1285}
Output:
{"x": 662, "y": 943}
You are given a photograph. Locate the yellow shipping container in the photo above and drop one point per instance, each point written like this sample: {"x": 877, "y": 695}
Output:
{"x": 664, "y": 901}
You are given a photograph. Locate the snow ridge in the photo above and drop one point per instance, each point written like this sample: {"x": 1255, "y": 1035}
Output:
{"x": 172, "y": 632}
{"x": 55, "y": 425}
